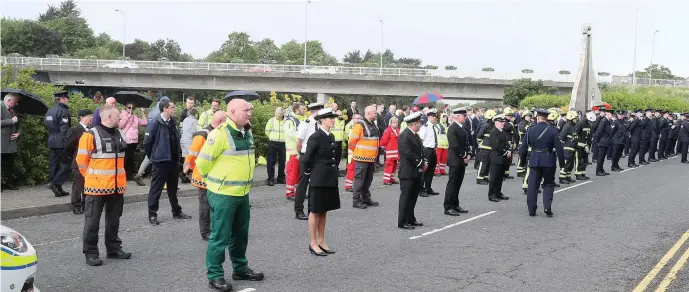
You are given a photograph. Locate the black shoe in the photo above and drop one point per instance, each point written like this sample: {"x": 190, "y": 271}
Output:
{"x": 493, "y": 199}
{"x": 631, "y": 165}
{"x": 423, "y": 194}
{"x": 350, "y": 190}
{"x": 119, "y": 254}
{"x": 328, "y": 251}
{"x": 600, "y": 174}
{"x": 270, "y": 182}
{"x": 205, "y": 237}
{"x": 139, "y": 181}
{"x": 249, "y": 275}
{"x": 417, "y": 224}
{"x": 509, "y": 177}
{"x": 548, "y": 212}
{"x": 360, "y": 205}
{"x": 387, "y": 183}
{"x": 571, "y": 180}
{"x": 93, "y": 260}
{"x": 564, "y": 181}
{"x": 406, "y": 226}
{"x": 280, "y": 181}
{"x": 372, "y": 204}
{"x": 532, "y": 214}
{"x": 181, "y": 215}
{"x": 153, "y": 220}
{"x": 503, "y": 197}
{"x": 526, "y": 191}
{"x": 290, "y": 198}
{"x": 451, "y": 212}
{"x": 653, "y": 160}
{"x": 77, "y": 211}
{"x": 62, "y": 191}
{"x": 432, "y": 193}
{"x": 605, "y": 172}
{"x": 55, "y": 190}
{"x": 481, "y": 182}
{"x": 619, "y": 169}
{"x": 301, "y": 216}
{"x": 643, "y": 163}
{"x": 460, "y": 210}
{"x": 521, "y": 174}
{"x": 220, "y": 284}
{"x": 320, "y": 254}
{"x": 557, "y": 185}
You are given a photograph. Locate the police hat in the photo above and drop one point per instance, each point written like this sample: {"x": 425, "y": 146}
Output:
{"x": 316, "y": 106}
{"x": 621, "y": 112}
{"x": 326, "y": 113}
{"x": 432, "y": 112}
{"x": 499, "y": 118}
{"x": 461, "y": 111}
{"x": 60, "y": 94}
{"x": 649, "y": 110}
{"x": 542, "y": 113}
{"x": 84, "y": 112}
{"x": 416, "y": 116}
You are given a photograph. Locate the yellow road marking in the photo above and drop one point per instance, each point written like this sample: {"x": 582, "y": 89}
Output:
{"x": 673, "y": 272}
{"x": 661, "y": 264}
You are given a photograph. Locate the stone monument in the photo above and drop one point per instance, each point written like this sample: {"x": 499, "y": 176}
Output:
{"x": 585, "y": 92}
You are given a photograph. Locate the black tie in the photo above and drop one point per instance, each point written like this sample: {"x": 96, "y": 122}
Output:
{"x": 435, "y": 136}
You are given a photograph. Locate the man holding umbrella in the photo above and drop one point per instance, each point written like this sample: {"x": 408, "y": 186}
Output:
{"x": 58, "y": 123}
{"x": 10, "y": 133}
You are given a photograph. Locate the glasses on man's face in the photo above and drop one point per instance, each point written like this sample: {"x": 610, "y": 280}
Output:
{"x": 130, "y": 107}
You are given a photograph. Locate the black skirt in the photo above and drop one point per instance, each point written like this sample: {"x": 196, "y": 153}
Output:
{"x": 323, "y": 199}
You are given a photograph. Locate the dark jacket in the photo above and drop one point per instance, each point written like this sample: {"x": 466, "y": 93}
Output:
{"x": 9, "y": 127}
{"x": 411, "y": 155}
{"x": 619, "y": 131}
{"x": 158, "y": 143}
{"x": 459, "y": 139}
{"x": 499, "y": 144}
{"x": 635, "y": 129}
{"x": 542, "y": 139}
{"x": 319, "y": 160}
{"x": 72, "y": 145}
{"x": 58, "y": 123}
{"x": 603, "y": 136}
{"x": 665, "y": 125}
{"x": 683, "y": 134}
{"x": 567, "y": 136}
{"x": 646, "y": 129}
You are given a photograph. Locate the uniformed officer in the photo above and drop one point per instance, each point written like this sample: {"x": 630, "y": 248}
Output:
{"x": 483, "y": 152}
{"x": 509, "y": 129}
{"x": 412, "y": 166}
{"x": 275, "y": 130}
{"x": 683, "y": 137}
{"x": 304, "y": 131}
{"x": 594, "y": 127}
{"x": 522, "y": 128}
{"x": 672, "y": 136}
{"x": 602, "y": 138}
{"x": 429, "y": 137}
{"x": 582, "y": 130}
{"x": 646, "y": 135}
{"x": 58, "y": 123}
{"x": 459, "y": 155}
{"x": 635, "y": 130}
{"x": 569, "y": 139}
{"x": 542, "y": 139}
{"x": 664, "y": 130}
{"x": 499, "y": 157}
{"x": 619, "y": 131}
{"x": 655, "y": 132}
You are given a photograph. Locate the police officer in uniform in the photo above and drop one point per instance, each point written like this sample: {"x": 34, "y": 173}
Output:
{"x": 429, "y": 138}
{"x": 602, "y": 138}
{"x": 412, "y": 167}
{"x": 664, "y": 130}
{"x": 305, "y": 130}
{"x": 542, "y": 139}
{"x": 58, "y": 123}
{"x": 619, "y": 131}
{"x": 683, "y": 137}
{"x": 672, "y": 137}
{"x": 646, "y": 135}
{"x": 508, "y": 114}
{"x": 635, "y": 130}
{"x": 499, "y": 158}
{"x": 458, "y": 157}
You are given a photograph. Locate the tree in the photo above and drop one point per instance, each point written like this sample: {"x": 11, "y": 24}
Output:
{"x": 603, "y": 74}
{"x": 527, "y": 71}
{"x": 75, "y": 33}
{"x": 656, "y": 71}
{"x": 353, "y": 57}
{"x": 564, "y": 72}
{"x": 431, "y": 67}
{"x": 267, "y": 51}
{"x": 67, "y": 8}
{"x": 29, "y": 38}
{"x": 368, "y": 57}
{"x": 522, "y": 88}
{"x": 450, "y": 68}
{"x": 237, "y": 47}
{"x": 410, "y": 62}
{"x": 292, "y": 52}
{"x": 138, "y": 50}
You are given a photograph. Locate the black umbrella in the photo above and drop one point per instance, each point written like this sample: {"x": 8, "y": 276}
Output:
{"x": 243, "y": 94}
{"x": 138, "y": 99}
{"x": 29, "y": 104}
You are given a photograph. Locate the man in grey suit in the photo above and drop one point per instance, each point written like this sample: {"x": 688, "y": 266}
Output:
{"x": 9, "y": 136}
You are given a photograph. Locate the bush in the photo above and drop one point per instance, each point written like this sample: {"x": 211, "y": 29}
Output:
{"x": 545, "y": 101}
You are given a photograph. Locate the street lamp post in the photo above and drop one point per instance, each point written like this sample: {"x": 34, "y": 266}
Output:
{"x": 650, "y": 71}
{"x": 306, "y": 28}
{"x": 636, "y": 34}
{"x": 381, "y": 47}
{"x": 124, "y": 31}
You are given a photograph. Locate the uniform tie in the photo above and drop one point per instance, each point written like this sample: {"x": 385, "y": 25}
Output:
{"x": 435, "y": 135}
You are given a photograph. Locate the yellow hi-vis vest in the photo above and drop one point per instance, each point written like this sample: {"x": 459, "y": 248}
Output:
{"x": 441, "y": 131}
{"x": 338, "y": 129}
{"x": 275, "y": 130}
{"x": 205, "y": 119}
{"x": 347, "y": 130}
{"x": 227, "y": 160}
{"x": 290, "y": 128}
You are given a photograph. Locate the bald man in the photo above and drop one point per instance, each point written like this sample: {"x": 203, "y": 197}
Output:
{"x": 110, "y": 101}
{"x": 364, "y": 142}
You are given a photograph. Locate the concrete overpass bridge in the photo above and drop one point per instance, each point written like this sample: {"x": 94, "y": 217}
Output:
{"x": 325, "y": 80}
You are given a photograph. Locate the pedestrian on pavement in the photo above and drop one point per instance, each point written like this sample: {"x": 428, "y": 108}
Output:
{"x": 324, "y": 194}
{"x": 306, "y": 129}
{"x": 619, "y": 131}
{"x": 459, "y": 155}
{"x": 542, "y": 139}
{"x": 58, "y": 122}
{"x": 129, "y": 124}
{"x": 603, "y": 138}
{"x": 10, "y": 134}
{"x": 364, "y": 143}
{"x": 227, "y": 161}
{"x": 101, "y": 159}
{"x": 292, "y": 168}
{"x": 429, "y": 136}
{"x": 153, "y": 114}
{"x": 162, "y": 146}
{"x": 412, "y": 166}
{"x": 275, "y": 131}
{"x": 349, "y": 174}
{"x": 85, "y": 117}
{"x": 389, "y": 143}
{"x": 499, "y": 157}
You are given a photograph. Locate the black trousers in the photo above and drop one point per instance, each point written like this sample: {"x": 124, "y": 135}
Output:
{"x": 627, "y": 145}
{"x": 129, "y": 159}
{"x": 594, "y": 152}
{"x": 566, "y": 170}
{"x": 204, "y": 213}
{"x": 497, "y": 174}
{"x": 653, "y": 148}
{"x": 643, "y": 149}
{"x": 670, "y": 147}
{"x": 602, "y": 150}
{"x": 164, "y": 173}
{"x": 454, "y": 184}
{"x": 54, "y": 162}
{"x": 363, "y": 177}
{"x": 94, "y": 206}
{"x": 410, "y": 189}
{"x": 662, "y": 144}
{"x": 7, "y": 160}
{"x": 683, "y": 149}
{"x": 617, "y": 154}
{"x": 484, "y": 165}
{"x": 302, "y": 187}
{"x": 77, "y": 189}
{"x": 636, "y": 142}
{"x": 547, "y": 174}
{"x": 338, "y": 154}
{"x": 62, "y": 169}
{"x": 610, "y": 153}
{"x": 429, "y": 153}
{"x": 276, "y": 153}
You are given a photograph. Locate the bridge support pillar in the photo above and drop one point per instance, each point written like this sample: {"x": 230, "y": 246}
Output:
{"x": 322, "y": 97}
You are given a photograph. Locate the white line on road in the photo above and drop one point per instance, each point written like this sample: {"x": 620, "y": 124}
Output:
{"x": 453, "y": 225}
{"x": 571, "y": 187}
{"x": 247, "y": 290}
{"x": 633, "y": 168}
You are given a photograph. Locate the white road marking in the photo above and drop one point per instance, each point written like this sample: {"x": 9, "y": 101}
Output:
{"x": 247, "y": 290}
{"x": 633, "y": 168}
{"x": 571, "y": 187}
{"x": 453, "y": 225}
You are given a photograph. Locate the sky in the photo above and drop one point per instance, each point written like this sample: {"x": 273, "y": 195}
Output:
{"x": 544, "y": 36}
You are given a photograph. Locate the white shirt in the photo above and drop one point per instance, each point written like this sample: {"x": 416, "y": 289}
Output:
{"x": 428, "y": 135}
{"x": 305, "y": 130}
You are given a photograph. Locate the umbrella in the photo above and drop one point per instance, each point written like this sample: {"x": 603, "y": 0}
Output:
{"x": 29, "y": 104}
{"x": 139, "y": 100}
{"x": 605, "y": 104}
{"x": 430, "y": 97}
{"x": 243, "y": 94}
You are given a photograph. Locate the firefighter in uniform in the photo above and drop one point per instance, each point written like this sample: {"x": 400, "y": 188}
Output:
{"x": 683, "y": 137}
{"x": 226, "y": 162}
{"x": 292, "y": 168}
{"x": 508, "y": 113}
{"x": 483, "y": 152}
{"x": 569, "y": 140}
{"x": 582, "y": 132}
{"x": 275, "y": 132}
{"x": 349, "y": 177}
{"x": 100, "y": 159}
{"x": 58, "y": 123}
{"x": 664, "y": 131}
{"x": 646, "y": 135}
{"x": 364, "y": 143}
{"x": 619, "y": 131}
{"x": 459, "y": 137}
{"x": 443, "y": 145}
{"x": 522, "y": 128}
{"x": 499, "y": 158}
{"x": 197, "y": 143}
{"x": 671, "y": 137}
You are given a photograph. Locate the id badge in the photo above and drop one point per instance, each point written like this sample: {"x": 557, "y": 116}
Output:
{"x": 108, "y": 147}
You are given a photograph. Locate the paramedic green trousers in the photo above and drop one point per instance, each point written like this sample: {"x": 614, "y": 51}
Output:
{"x": 229, "y": 229}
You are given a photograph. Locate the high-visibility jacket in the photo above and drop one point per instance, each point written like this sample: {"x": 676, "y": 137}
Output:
{"x": 338, "y": 130}
{"x": 441, "y": 132}
{"x": 348, "y": 130}
{"x": 290, "y": 128}
{"x": 363, "y": 141}
{"x": 100, "y": 159}
{"x": 196, "y": 145}
{"x": 227, "y": 160}
{"x": 205, "y": 119}
{"x": 389, "y": 143}
{"x": 275, "y": 130}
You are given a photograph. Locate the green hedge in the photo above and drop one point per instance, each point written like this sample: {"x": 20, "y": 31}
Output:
{"x": 545, "y": 101}
{"x": 623, "y": 98}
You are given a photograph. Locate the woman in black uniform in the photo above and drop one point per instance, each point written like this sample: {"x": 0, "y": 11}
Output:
{"x": 324, "y": 195}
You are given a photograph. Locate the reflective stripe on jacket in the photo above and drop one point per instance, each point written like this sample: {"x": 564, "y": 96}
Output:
{"x": 196, "y": 145}
{"x": 275, "y": 130}
{"x": 363, "y": 141}
{"x": 100, "y": 159}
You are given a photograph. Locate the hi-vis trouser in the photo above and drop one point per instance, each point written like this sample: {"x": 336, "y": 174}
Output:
{"x": 521, "y": 165}
{"x": 570, "y": 156}
{"x": 525, "y": 182}
{"x": 580, "y": 159}
{"x": 484, "y": 164}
